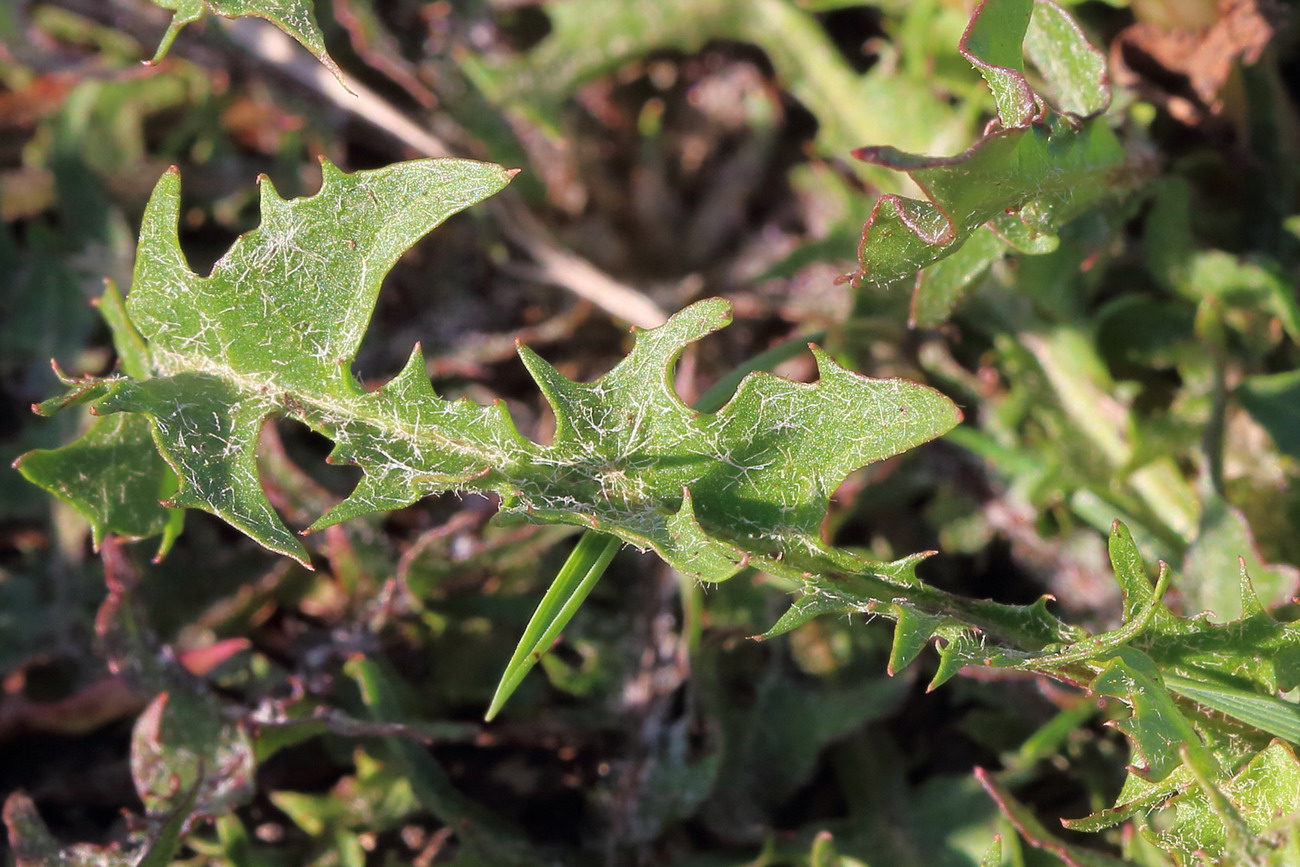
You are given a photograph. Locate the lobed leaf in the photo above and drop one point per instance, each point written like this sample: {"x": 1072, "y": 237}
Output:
{"x": 1035, "y": 168}
{"x": 1200, "y": 694}
{"x": 1156, "y": 728}
{"x": 272, "y": 331}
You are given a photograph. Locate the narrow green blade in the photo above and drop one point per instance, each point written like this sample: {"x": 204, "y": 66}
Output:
{"x": 567, "y": 592}
{"x": 1273, "y": 715}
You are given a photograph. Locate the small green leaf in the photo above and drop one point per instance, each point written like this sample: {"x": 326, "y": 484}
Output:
{"x": 808, "y": 607}
{"x": 182, "y": 748}
{"x": 1052, "y": 167}
{"x": 954, "y": 654}
{"x": 1031, "y": 172}
{"x": 1156, "y": 728}
{"x": 295, "y": 17}
{"x": 1074, "y": 70}
{"x": 114, "y": 478}
{"x": 912, "y": 631}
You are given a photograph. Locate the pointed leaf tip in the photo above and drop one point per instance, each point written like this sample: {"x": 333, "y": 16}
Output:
{"x": 912, "y": 631}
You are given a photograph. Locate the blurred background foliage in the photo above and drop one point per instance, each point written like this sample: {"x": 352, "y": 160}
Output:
{"x": 1144, "y": 369}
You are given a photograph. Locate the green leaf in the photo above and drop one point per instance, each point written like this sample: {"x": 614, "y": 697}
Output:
{"x": 992, "y": 43}
{"x": 592, "y": 555}
{"x": 300, "y": 288}
{"x": 1258, "y": 284}
{"x": 272, "y": 331}
{"x": 1268, "y": 714}
{"x": 1156, "y": 728}
{"x": 1181, "y": 677}
{"x": 1254, "y": 653}
{"x": 112, "y": 476}
{"x": 912, "y": 630}
{"x": 295, "y": 17}
{"x": 1074, "y": 70}
{"x": 1036, "y": 169}
{"x": 1050, "y": 167}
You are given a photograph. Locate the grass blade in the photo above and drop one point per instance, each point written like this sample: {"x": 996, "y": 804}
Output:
{"x": 567, "y": 592}
{"x": 1273, "y": 715}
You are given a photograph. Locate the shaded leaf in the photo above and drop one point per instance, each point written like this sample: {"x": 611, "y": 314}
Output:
{"x": 1274, "y": 402}
{"x": 1224, "y": 551}
{"x": 182, "y": 745}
